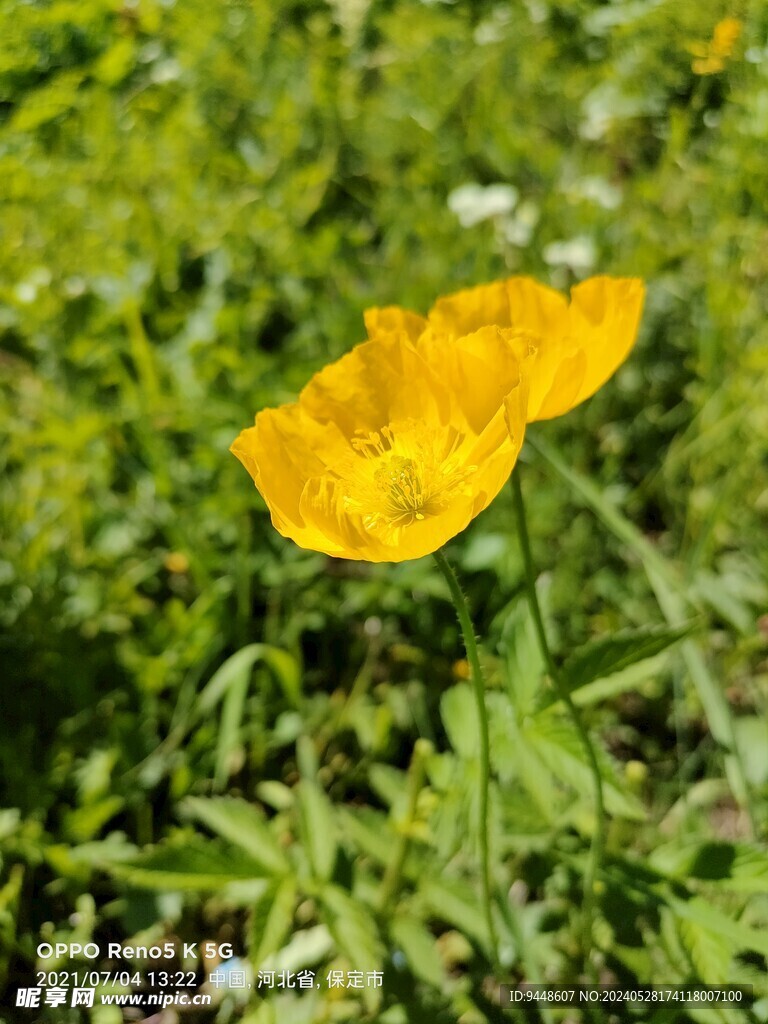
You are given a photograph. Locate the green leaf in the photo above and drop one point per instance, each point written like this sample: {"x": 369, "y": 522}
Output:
{"x": 419, "y": 948}
{"x": 523, "y": 663}
{"x": 561, "y": 749}
{"x": 186, "y": 863}
{"x": 228, "y": 744}
{"x": 739, "y": 867}
{"x": 275, "y": 794}
{"x": 388, "y": 782}
{"x": 282, "y": 665}
{"x": 306, "y": 757}
{"x": 621, "y": 682}
{"x": 454, "y": 902}
{"x": 317, "y": 827}
{"x": 355, "y": 933}
{"x": 9, "y": 821}
{"x": 752, "y": 741}
{"x": 272, "y": 920}
{"x": 305, "y": 948}
{"x": 526, "y": 823}
{"x": 749, "y": 870}
{"x": 484, "y": 551}
{"x": 352, "y": 926}
{"x": 611, "y": 654}
{"x": 703, "y": 914}
{"x": 74, "y": 861}
{"x": 242, "y": 824}
{"x": 230, "y": 683}
{"x": 515, "y": 759}
{"x": 710, "y": 951}
{"x": 57, "y": 96}
{"x": 368, "y": 830}
{"x": 83, "y": 823}
{"x": 459, "y": 714}
{"x": 721, "y": 593}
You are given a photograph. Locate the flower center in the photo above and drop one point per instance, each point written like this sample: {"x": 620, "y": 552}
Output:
{"x": 399, "y": 482}
{"x": 403, "y": 475}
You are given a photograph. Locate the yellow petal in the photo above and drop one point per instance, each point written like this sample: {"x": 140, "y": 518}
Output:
{"x": 579, "y": 345}
{"x": 556, "y": 379}
{"x": 535, "y": 307}
{"x": 376, "y": 382}
{"x": 467, "y": 311}
{"x": 478, "y": 369}
{"x": 725, "y": 36}
{"x": 544, "y": 312}
{"x": 519, "y": 303}
{"x": 497, "y": 449}
{"x": 281, "y": 451}
{"x": 515, "y": 417}
{"x": 604, "y": 319}
{"x": 381, "y": 321}
{"x": 329, "y": 528}
{"x": 711, "y": 64}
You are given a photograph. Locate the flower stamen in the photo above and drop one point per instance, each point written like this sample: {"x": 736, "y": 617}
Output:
{"x": 403, "y": 475}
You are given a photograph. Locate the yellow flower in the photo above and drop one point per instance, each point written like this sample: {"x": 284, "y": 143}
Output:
{"x": 461, "y": 669}
{"x": 580, "y": 344}
{"x": 710, "y": 57}
{"x": 176, "y": 562}
{"x": 393, "y": 449}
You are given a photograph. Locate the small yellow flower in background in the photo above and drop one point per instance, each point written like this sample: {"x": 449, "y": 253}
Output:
{"x": 176, "y": 562}
{"x": 461, "y": 669}
{"x": 636, "y": 772}
{"x": 579, "y": 344}
{"x": 710, "y": 58}
{"x": 393, "y": 449}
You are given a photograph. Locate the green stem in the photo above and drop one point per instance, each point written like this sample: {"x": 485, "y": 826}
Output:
{"x": 596, "y": 849}
{"x": 478, "y": 685}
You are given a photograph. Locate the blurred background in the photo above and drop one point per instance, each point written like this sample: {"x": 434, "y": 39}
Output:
{"x": 198, "y": 202}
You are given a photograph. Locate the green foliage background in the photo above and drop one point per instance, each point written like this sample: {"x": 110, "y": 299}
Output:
{"x": 198, "y": 202}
